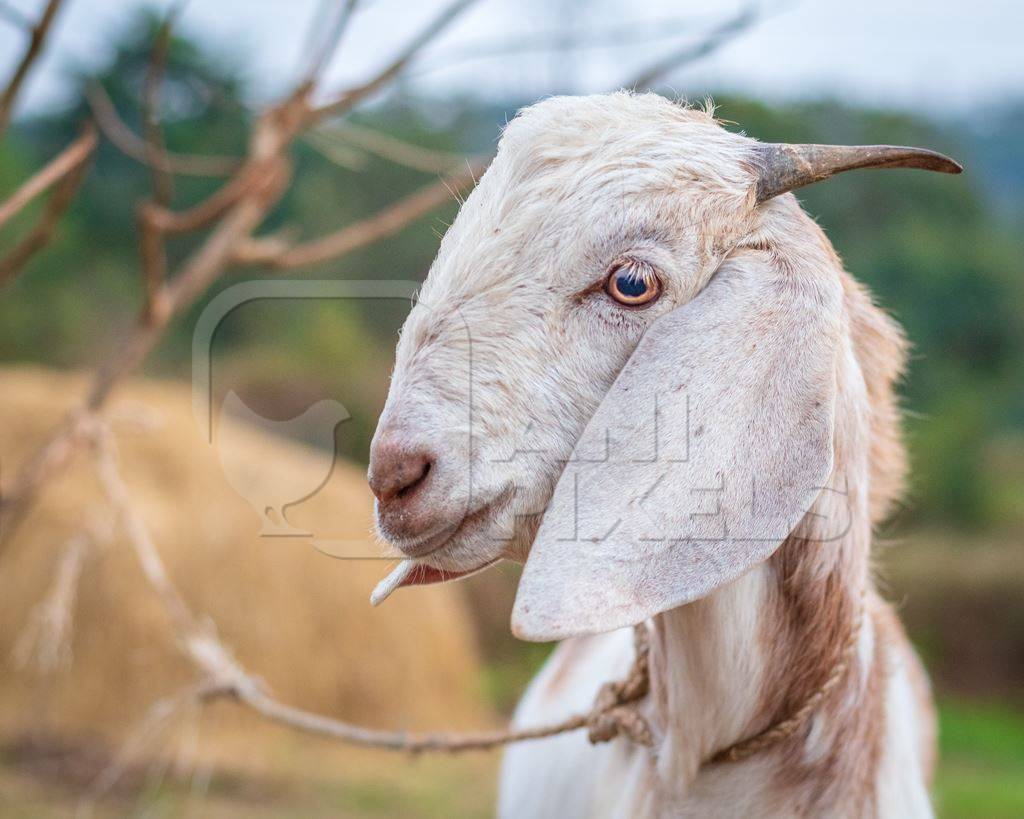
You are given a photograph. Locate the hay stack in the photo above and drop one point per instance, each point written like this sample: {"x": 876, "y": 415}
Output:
{"x": 295, "y": 617}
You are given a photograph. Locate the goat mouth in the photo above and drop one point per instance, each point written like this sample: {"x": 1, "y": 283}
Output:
{"x": 424, "y": 575}
{"x": 413, "y": 572}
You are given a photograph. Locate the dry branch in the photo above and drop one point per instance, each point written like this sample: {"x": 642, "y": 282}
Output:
{"x": 321, "y": 55}
{"x": 46, "y": 640}
{"x": 66, "y": 171}
{"x": 274, "y": 254}
{"x": 36, "y": 42}
{"x": 134, "y": 146}
{"x": 73, "y": 156}
{"x": 163, "y": 181}
{"x": 352, "y": 97}
{"x": 385, "y": 146}
{"x": 722, "y": 34}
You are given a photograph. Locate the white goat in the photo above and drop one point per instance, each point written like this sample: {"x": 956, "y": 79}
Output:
{"x": 638, "y": 367}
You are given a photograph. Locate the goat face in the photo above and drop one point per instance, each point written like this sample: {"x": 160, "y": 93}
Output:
{"x": 599, "y": 217}
{"x": 515, "y": 338}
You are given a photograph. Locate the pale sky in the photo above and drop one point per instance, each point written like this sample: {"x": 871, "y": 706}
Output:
{"x": 932, "y": 55}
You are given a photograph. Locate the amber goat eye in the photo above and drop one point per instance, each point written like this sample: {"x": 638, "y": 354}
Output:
{"x": 633, "y": 284}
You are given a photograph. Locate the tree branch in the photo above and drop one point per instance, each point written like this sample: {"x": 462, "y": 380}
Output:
{"x": 58, "y": 203}
{"x": 55, "y": 170}
{"x": 322, "y": 55}
{"x": 156, "y": 150}
{"x": 134, "y": 146}
{"x": 385, "y": 146}
{"x": 37, "y": 39}
{"x": 372, "y": 229}
{"x": 691, "y": 52}
{"x": 349, "y": 99}
{"x": 234, "y": 212}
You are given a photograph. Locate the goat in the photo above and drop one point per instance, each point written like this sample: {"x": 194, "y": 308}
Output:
{"x": 637, "y": 366}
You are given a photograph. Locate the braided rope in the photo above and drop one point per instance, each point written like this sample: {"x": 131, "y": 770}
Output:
{"x": 790, "y": 725}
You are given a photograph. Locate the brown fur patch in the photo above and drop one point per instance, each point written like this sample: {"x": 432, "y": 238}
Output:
{"x": 881, "y": 351}
{"x": 819, "y": 588}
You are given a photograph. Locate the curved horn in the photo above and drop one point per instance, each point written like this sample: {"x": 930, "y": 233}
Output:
{"x": 787, "y": 167}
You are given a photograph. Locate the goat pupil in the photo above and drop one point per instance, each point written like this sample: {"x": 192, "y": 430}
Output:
{"x": 631, "y": 286}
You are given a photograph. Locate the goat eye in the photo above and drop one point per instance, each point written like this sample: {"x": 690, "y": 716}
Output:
{"x": 633, "y": 284}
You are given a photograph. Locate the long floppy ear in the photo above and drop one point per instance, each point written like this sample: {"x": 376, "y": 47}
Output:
{"x": 705, "y": 454}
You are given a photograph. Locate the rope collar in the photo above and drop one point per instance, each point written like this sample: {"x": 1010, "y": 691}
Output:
{"x": 616, "y": 709}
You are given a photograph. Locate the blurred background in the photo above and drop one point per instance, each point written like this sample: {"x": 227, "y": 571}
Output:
{"x": 86, "y": 644}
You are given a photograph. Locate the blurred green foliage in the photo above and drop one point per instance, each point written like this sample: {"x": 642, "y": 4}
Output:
{"x": 982, "y": 762}
{"x": 942, "y": 254}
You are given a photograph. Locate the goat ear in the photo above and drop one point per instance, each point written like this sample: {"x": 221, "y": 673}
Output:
{"x": 707, "y": 451}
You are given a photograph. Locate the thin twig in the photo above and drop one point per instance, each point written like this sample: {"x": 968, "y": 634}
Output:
{"x": 352, "y": 97}
{"x": 338, "y": 153}
{"x": 37, "y": 39}
{"x": 386, "y": 146}
{"x": 157, "y": 721}
{"x": 691, "y": 52}
{"x": 362, "y": 233}
{"x": 57, "y": 204}
{"x": 163, "y": 180}
{"x": 321, "y": 55}
{"x": 620, "y": 34}
{"x": 46, "y": 640}
{"x": 56, "y": 169}
{"x": 134, "y": 146}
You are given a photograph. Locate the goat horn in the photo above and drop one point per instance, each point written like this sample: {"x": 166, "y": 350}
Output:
{"x": 787, "y": 167}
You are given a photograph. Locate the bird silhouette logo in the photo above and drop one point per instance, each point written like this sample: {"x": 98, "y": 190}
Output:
{"x": 270, "y": 491}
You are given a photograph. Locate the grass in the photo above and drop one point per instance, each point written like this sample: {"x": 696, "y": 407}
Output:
{"x": 981, "y": 773}
{"x": 981, "y": 776}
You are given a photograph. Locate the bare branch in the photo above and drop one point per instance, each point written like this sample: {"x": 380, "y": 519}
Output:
{"x": 362, "y": 233}
{"x": 66, "y": 171}
{"x": 233, "y": 213}
{"x": 342, "y": 15}
{"x": 153, "y": 256}
{"x": 46, "y": 640}
{"x": 163, "y": 181}
{"x": 338, "y": 153}
{"x": 385, "y": 146}
{"x": 37, "y": 39}
{"x": 620, "y": 34}
{"x": 347, "y": 100}
{"x": 56, "y": 169}
{"x": 134, "y": 146}
{"x": 44, "y": 228}
{"x": 691, "y": 52}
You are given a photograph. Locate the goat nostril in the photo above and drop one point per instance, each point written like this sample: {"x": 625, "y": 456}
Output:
{"x": 398, "y": 473}
{"x": 415, "y": 483}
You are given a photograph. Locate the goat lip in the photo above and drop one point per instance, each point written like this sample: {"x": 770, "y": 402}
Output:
{"x": 425, "y": 575}
{"x": 426, "y": 546}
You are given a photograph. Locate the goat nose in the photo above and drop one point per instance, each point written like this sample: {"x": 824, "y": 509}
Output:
{"x": 397, "y": 470}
